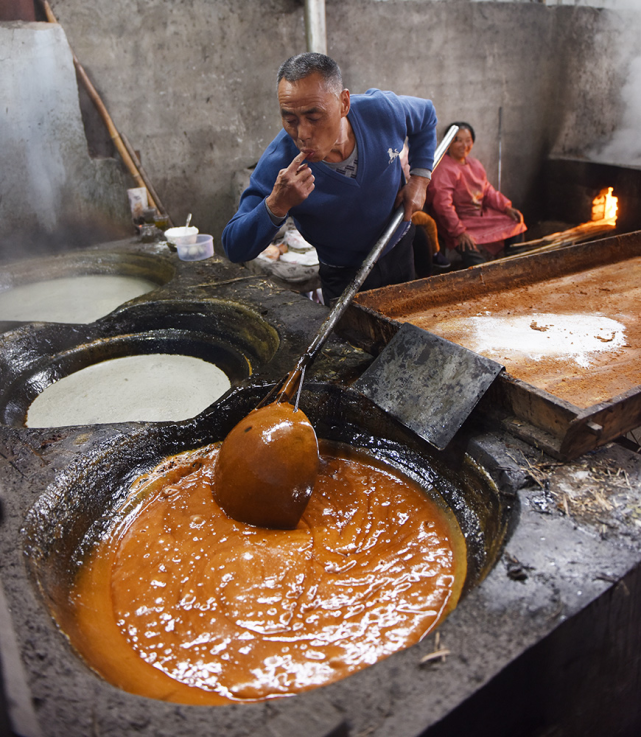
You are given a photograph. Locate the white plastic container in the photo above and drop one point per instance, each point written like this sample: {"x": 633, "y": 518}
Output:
{"x": 181, "y": 236}
{"x": 201, "y": 248}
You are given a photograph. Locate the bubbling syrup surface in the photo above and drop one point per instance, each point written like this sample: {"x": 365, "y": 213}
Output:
{"x": 182, "y": 603}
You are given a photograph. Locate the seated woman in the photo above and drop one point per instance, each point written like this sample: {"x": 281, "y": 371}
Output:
{"x": 471, "y": 216}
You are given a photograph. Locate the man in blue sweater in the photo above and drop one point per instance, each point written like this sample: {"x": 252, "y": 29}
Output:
{"x": 336, "y": 170}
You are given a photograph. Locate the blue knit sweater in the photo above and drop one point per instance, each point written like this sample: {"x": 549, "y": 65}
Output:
{"x": 342, "y": 218}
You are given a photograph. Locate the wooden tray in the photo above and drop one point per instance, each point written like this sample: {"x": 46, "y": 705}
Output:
{"x": 555, "y": 425}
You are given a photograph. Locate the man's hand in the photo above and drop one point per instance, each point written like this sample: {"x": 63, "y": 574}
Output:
{"x": 412, "y": 196}
{"x": 465, "y": 242}
{"x": 293, "y": 186}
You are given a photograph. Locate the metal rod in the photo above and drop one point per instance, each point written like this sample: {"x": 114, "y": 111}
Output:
{"x": 367, "y": 265}
{"x": 500, "y": 144}
{"x": 292, "y": 381}
{"x": 441, "y": 149}
{"x": 315, "y": 32}
{"x": 300, "y": 388}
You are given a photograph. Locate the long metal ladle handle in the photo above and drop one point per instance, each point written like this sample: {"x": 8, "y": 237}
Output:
{"x": 292, "y": 379}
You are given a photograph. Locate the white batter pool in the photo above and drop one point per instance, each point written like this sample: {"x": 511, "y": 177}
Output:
{"x": 148, "y": 388}
{"x": 538, "y": 336}
{"x": 75, "y": 299}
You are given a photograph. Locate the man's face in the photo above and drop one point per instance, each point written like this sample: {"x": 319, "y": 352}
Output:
{"x": 312, "y": 114}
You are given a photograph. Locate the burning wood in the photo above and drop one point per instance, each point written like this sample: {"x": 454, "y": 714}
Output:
{"x": 605, "y": 207}
{"x": 604, "y": 219}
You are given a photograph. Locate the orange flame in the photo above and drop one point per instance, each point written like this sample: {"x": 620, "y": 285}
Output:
{"x": 604, "y": 207}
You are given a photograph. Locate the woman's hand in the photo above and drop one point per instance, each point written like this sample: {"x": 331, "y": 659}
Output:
{"x": 514, "y": 214}
{"x": 465, "y": 242}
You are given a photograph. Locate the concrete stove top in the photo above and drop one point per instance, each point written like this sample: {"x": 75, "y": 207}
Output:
{"x": 548, "y": 643}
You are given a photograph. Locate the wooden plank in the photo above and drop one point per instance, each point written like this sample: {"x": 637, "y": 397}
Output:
{"x": 403, "y": 299}
{"x": 512, "y": 397}
{"x": 547, "y": 422}
{"x": 602, "y": 423}
{"x": 367, "y": 329}
{"x": 534, "y": 436}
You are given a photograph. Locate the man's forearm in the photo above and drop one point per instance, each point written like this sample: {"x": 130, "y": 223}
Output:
{"x": 276, "y": 219}
{"x": 248, "y": 233}
{"x": 413, "y": 195}
{"x": 273, "y": 208}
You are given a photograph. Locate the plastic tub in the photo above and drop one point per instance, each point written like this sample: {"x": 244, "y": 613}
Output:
{"x": 182, "y": 236}
{"x": 201, "y": 248}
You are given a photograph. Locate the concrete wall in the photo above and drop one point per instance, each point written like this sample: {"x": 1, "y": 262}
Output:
{"x": 558, "y": 73}
{"x": 191, "y": 82}
{"x": 471, "y": 59}
{"x": 49, "y": 186}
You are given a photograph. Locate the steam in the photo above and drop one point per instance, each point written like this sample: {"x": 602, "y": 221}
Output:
{"x": 624, "y": 148}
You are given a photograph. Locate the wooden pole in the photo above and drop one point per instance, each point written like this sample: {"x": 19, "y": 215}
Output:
{"x": 561, "y": 239}
{"x": 104, "y": 114}
{"x": 145, "y": 177}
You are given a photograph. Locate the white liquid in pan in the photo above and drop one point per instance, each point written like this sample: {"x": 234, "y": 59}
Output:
{"x": 77, "y": 299}
{"x": 149, "y": 388}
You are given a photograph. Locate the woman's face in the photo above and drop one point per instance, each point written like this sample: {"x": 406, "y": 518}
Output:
{"x": 461, "y": 145}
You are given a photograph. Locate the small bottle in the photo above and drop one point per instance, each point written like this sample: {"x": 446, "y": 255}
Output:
{"x": 149, "y": 214}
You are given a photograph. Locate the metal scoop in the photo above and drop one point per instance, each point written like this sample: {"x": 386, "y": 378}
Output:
{"x": 267, "y": 465}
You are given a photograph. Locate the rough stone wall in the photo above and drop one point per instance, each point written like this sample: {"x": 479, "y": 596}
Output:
{"x": 191, "y": 82}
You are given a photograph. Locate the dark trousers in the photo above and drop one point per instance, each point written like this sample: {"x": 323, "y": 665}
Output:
{"x": 473, "y": 258}
{"x": 422, "y": 254}
{"x": 394, "y": 267}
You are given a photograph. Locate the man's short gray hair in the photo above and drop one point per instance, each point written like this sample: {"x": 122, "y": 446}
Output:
{"x": 301, "y": 66}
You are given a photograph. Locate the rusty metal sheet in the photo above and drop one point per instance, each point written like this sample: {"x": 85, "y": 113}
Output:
{"x": 428, "y": 383}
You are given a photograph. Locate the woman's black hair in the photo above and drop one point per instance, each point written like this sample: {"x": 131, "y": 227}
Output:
{"x": 467, "y": 126}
